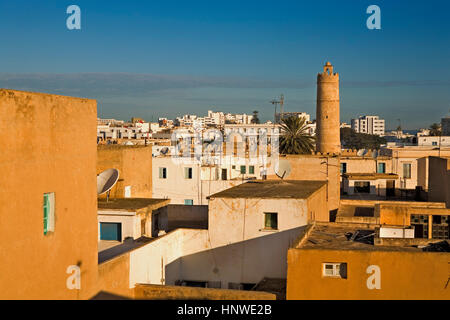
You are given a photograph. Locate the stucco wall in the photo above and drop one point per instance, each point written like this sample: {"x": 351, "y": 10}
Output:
{"x": 403, "y": 275}
{"x": 135, "y": 168}
{"x": 48, "y": 144}
{"x": 315, "y": 167}
{"x": 237, "y": 219}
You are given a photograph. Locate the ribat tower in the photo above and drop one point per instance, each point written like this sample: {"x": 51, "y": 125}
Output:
{"x": 327, "y": 111}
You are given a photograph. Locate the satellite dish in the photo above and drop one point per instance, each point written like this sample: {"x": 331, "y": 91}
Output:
{"x": 375, "y": 154}
{"x": 360, "y": 152}
{"x": 164, "y": 150}
{"x": 128, "y": 143}
{"x": 106, "y": 181}
{"x": 283, "y": 168}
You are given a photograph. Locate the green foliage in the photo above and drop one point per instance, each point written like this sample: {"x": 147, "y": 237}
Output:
{"x": 435, "y": 130}
{"x": 294, "y": 137}
{"x": 255, "y": 118}
{"x": 353, "y": 140}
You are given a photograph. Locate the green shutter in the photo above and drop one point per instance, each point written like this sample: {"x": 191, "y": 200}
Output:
{"x": 251, "y": 170}
{"x": 242, "y": 169}
{"x": 46, "y": 212}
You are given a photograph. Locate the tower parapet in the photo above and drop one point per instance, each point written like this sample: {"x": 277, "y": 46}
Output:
{"x": 327, "y": 111}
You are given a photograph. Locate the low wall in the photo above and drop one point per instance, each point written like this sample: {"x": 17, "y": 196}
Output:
{"x": 157, "y": 292}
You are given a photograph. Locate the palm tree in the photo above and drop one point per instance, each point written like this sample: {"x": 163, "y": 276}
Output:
{"x": 435, "y": 129}
{"x": 295, "y": 138}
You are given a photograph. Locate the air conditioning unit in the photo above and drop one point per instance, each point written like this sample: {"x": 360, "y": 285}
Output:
{"x": 397, "y": 233}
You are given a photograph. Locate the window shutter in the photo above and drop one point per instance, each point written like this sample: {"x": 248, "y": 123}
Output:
{"x": 46, "y": 211}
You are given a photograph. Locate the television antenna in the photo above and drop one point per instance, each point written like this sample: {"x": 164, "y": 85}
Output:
{"x": 106, "y": 181}
{"x": 280, "y": 102}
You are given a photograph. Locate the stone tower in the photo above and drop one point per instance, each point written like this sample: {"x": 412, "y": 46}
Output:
{"x": 327, "y": 117}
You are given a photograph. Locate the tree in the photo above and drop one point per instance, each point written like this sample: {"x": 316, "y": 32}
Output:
{"x": 351, "y": 139}
{"x": 435, "y": 129}
{"x": 295, "y": 138}
{"x": 255, "y": 118}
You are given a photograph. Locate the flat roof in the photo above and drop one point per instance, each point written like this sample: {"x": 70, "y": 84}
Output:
{"x": 370, "y": 176}
{"x": 333, "y": 236}
{"x": 132, "y": 204}
{"x": 270, "y": 189}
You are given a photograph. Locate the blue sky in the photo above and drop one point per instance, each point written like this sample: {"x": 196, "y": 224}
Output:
{"x": 166, "y": 58}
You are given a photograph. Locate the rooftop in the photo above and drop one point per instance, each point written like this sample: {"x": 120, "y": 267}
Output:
{"x": 370, "y": 176}
{"x": 269, "y": 189}
{"x": 132, "y": 204}
{"x": 333, "y": 236}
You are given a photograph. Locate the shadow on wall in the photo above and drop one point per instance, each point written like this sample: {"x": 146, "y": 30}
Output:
{"x": 238, "y": 265}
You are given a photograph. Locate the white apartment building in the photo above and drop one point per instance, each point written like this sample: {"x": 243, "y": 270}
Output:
{"x": 190, "y": 182}
{"x": 433, "y": 141}
{"x": 369, "y": 124}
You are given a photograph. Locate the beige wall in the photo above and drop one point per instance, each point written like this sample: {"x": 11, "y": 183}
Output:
{"x": 315, "y": 167}
{"x": 237, "y": 219}
{"x": 135, "y": 168}
{"x": 412, "y": 155}
{"x": 48, "y": 144}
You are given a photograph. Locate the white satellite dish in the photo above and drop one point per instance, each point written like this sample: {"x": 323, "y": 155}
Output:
{"x": 283, "y": 168}
{"x": 106, "y": 181}
{"x": 164, "y": 150}
{"x": 375, "y": 154}
{"x": 360, "y": 152}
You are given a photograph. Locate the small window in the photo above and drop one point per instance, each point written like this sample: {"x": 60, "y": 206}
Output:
{"x": 49, "y": 213}
{"x": 343, "y": 167}
{"x": 243, "y": 170}
{"x": 434, "y": 143}
{"x": 188, "y": 202}
{"x": 233, "y": 167}
{"x": 271, "y": 221}
{"x": 407, "y": 170}
{"x": 251, "y": 169}
{"x": 382, "y": 167}
{"x": 163, "y": 173}
{"x": 335, "y": 270}
{"x": 188, "y": 173}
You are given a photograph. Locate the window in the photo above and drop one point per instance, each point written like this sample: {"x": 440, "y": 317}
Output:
{"x": 49, "y": 213}
{"x": 110, "y": 231}
{"x": 188, "y": 202}
{"x": 381, "y": 167}
{"x": 251, "y": 169}
{"x": 335, "y": 270}
{"x": 271, "y": 221}
{"x": 407, "y": 170}
{"x": 362, "y": 187}
{"x": 343, "y": 167}
{"x": 163, "y": 173}
{"x": 434, "y": 143}
{"x": 224, "y": 174}
{"x": 243, "y": 170}
{"x": 188, "y": 173}
{"x": 233, "y": 167}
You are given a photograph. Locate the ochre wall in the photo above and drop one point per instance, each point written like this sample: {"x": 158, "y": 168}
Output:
{"x": 404, "y": 275}
{"x": 135, "y": 168}
{"x": 114, "y": 276}
{"x": 47, "y": 144}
